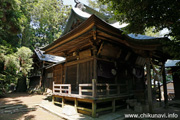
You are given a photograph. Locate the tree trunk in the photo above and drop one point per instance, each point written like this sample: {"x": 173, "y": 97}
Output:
{"x": 21, "y": 85}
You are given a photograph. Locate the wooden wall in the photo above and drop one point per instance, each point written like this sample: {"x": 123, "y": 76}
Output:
{"x": 71, "y": 76}
{"x": 79, "y": 73}
{"x": 85, "y": 72}
{"x": 48, "y": 79}
{"x": 176, "y": 80}
{"x": 58, "y": 74}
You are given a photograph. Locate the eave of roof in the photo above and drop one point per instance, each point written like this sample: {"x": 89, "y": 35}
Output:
{"x": 89, "y": 21}
{"x": 49, "y": 58}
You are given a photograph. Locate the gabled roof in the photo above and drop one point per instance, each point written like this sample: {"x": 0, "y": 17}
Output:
{"x": 82, "y": 15}
{"x": 88, "y": 19}
{"x": 86, "y": 12}
{"x": 49, "y": 58}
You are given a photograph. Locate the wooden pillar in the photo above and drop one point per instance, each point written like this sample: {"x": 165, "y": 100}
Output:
{"x": 94, "y": 88}
{"x": 94, "y": 109}
{"x": 69, "y": 89}
{"x": 95, "y": 68}
{"x": 76, "y": 104}
{"x": 94, "y": 80}
{"x": 65, "y": 78}
{"x": 164, "y": 86}
{"x": 149, "y": 85}
{"x": 77, "y": 80}
{"x": 113, "y": 105}
{"x": 107, "y": 89}
{"x": 118, "y": 89}
{"x": 80, "y": 92}
{"x": 53, "y": 87}
{"x": 53, "y": 97}
{"x": 62, "y": 101}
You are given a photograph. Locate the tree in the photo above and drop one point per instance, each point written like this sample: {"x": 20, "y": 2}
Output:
{"x": 14, "y": 67}
{"x": 101, "y": 8}
{"x": 10, "y": 20}
{"x": 46, "y": 21}
{"x": 142, "y": 14}
{"x": 25, "y": 65}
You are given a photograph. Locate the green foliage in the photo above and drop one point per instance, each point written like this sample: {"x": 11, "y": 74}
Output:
{"x": 10, "y": 17}
{"x": 142, "y": 14}
{"x": 152, "y": 32}
{"x": 25, "y": 23}
{"x": 46, "y": 21}
{"x": 101, "y": 8}
{"x": 14, "y": 66}
{"x": 24, "y": 55}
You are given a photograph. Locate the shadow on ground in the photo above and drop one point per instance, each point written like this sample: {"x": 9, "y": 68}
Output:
{"x": 12, "y": 108}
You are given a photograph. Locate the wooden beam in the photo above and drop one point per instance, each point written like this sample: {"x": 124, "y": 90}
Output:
{"x": 100, "y": 49}
{"x": 85, "y": 109}
{"x": 79, "y": 61}
{"x": 149, "y": 84}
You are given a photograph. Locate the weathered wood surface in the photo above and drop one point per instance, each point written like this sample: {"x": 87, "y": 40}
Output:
{"x": 108, "y": 90}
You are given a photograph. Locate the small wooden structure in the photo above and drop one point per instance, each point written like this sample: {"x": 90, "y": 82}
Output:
{"x": 103, "y": 67}
{"x": 42, "y": 74}
{"x": 171, "y": 64}
{"x": 170, "y": 91}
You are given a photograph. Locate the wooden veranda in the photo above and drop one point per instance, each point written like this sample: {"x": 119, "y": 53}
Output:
{"x": 93, "y": 94}
{"x": 103, "y": 67}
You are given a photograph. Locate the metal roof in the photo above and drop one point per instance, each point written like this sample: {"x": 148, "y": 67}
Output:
{"x": 49, "y": 58}
{"x": 140, "y": 37}
{"x": 171, "y": 63}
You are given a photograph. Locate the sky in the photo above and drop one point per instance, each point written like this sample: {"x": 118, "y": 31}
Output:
{"x": 71, "y": 2}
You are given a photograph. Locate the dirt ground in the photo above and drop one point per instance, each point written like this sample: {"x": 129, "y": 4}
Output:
{"x": 26, "y": 101}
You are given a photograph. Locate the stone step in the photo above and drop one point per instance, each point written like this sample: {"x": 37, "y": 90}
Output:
{"x": 69, "y": 110}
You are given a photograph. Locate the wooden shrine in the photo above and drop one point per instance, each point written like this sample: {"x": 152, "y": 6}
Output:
{"x": 103, "y": 66}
